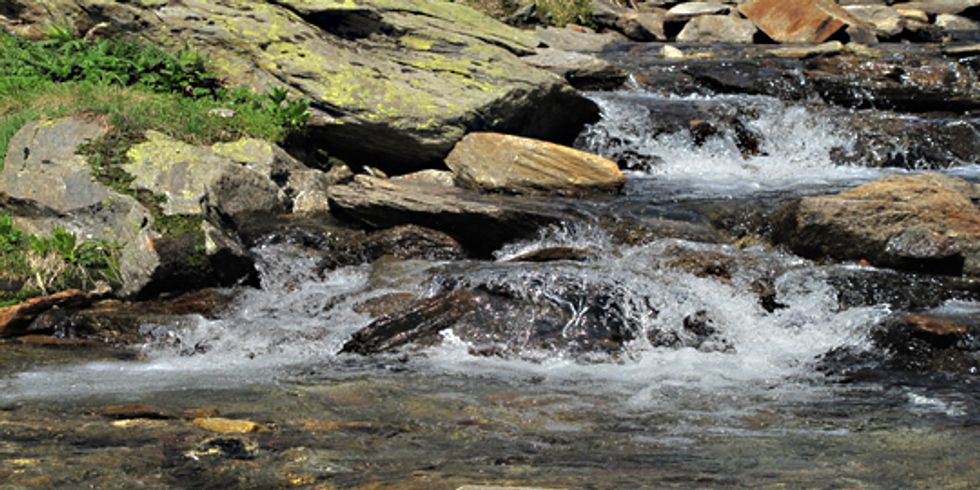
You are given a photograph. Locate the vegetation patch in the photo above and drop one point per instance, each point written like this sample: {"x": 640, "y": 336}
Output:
{"x": 32, "y": 265}
{"x": 135, "y": 87}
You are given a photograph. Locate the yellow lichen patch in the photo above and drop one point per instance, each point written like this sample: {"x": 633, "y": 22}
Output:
{"x": 227, "y": 426}
{"x": 247, "y": 151}
{"x": 417, "y": 43}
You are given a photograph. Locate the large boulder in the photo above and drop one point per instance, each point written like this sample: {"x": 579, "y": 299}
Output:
{"x": 511, "y": 164}
{"x": 46, "y": 184}
{"x": 394, "y": 84}
{"x": 929, "y": 222}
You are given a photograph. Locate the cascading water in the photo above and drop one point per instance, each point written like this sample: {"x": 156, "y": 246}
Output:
{"x": 301, "y": 319}
{"x": 663, "y": 359}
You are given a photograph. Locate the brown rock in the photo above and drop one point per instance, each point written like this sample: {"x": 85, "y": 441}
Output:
{"x": 512, "y": 164}
{"x": 933, "y": 325}
{"x": 384, "y": 305}
{"x": 14, "y": 319}
{"x": 797, "y": 21}
{"x": 552, "y": 254}
{"x": 133, "y": 411}
{"x": 925, "y": 222}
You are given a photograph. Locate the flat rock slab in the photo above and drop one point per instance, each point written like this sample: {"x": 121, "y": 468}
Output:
{"x": 504, "y": 163}
{"x": 480, "y": 222}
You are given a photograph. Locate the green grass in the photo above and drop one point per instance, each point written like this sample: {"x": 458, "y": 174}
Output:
{"x": 134, "y": 85}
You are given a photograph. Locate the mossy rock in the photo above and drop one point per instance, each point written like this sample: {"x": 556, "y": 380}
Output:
{"x": 394, "y": 84}
{"x": 46, "y": 184}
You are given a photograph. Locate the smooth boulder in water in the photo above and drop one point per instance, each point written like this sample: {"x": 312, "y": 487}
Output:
{"x": 928, "y": 222}
{"x": 511, "y": 164}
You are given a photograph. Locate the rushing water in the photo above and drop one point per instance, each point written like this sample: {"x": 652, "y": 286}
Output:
{"x": 743, "y": 407}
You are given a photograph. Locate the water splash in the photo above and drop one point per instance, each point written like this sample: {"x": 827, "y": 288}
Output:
{"x": 766, "y": 144}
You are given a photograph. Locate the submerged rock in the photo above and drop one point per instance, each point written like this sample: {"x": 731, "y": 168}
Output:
{"x": 503, "y": 163}
{"x": 927, "y": 222}
{"x": 403, "y": 242}
{"x": 930, "y": 342}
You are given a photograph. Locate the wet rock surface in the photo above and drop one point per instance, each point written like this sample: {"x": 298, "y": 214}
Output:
{"x": 922, "y": 222}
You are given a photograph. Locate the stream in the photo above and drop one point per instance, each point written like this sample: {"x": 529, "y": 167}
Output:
{"x": 747, "y": 397}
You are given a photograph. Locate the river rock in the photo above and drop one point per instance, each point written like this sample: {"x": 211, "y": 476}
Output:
{"x": 930, "y": 342}
{"x": 574, "y": 39}
{"x": 435, "y": 177}
{"x": 15, "y": 319}
{"x": 504, "y": 163}
{"x": 950, "y": 22}
{"x": 647, "y": 25}
{"x": 941, "y": 6}
{"x": 926, "y": 222}
{"x": 126, "y": 322}
{"x": 718, "y": 29}
{"x": 797, "y": 21}
{"x": 482, "y": 223}
{"x": 900, "y": 290}
{"x": 887, "y": 21}
{"x": 422, "y": 320}
{"x": 391, "y": 81}
{"x": 405, "y": 242}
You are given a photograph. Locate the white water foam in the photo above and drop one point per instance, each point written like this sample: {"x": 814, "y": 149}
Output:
{"x": 796, "y": 146}
{"x": 301, "y": 319}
